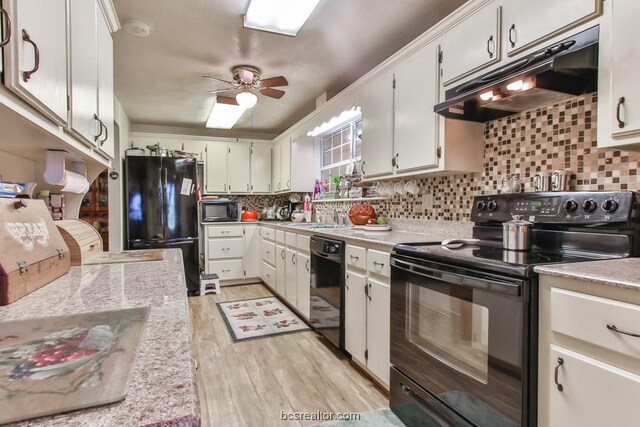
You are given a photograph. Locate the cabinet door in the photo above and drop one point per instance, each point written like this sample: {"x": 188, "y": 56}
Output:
{"x": 286, "y": 164}
{"x": 303, "y": 264}
{"x": 527, "y": 22}
{"x": 281, "y": 267}
{"x": 291, "y": 287}
{"x": 105, "y": 85}
{"x": 216, "y": 180}
{"x": 377, "y": 126}
{"x": 260, "y": 168}
{"x": 415, "y": 136}
{"x": 625, "y": 56}
{"x": 252, "y": 251}
{"x": 44, "y": 21}
{"x": 355, "y": 316}
{"x": 462, "y": 54}
{"x": 84, "y": 69}
{"x": 276, "y": 167}
{"x": 378, "y": 318}
{"x": 239, "y": 171}
{"x": 593, "y": 393}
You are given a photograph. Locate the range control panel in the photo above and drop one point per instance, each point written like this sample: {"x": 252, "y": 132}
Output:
{"x": 571, "y": 207}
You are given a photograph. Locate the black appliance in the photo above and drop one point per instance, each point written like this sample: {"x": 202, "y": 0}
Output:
{"x": 555, "y": 73}
{"x": 219, "y": 211}
{"x": 464, "y": 318}
{"x": 327, "y": 288}
{"x": 161, "y": 209}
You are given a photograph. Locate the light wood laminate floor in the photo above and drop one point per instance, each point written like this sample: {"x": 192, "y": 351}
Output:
{"x": 249, "y": 383}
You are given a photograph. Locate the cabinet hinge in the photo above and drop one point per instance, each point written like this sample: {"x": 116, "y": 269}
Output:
{"x": 439, "y": 152}
{"x": 251, "y": 150}
{"x": 366, "y": 354}
{"x": 206, "y": 149}
{"x": 244, "y": 232}
{"x": 366, "y": 290}
{"x": 229, "y": 150}
{"x": 440, "y": 56}
{"x": 394, "y": 82}
{"x": 68, "y": 103}
{"x": 244, "y": 272}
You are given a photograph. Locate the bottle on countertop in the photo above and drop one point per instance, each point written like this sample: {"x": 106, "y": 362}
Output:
{"x": 307, "y": 208}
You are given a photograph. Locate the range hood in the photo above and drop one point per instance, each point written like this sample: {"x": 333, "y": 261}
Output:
{"x": 553, "y": 74}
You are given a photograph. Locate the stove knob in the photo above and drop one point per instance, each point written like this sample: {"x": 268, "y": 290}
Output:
{"x": 609, "y": 205}
{"x": 481, "y": 206}
{"x": 570, "y": 206}
{"x": 492, "y": 205}
{"x": 589, "y": 205}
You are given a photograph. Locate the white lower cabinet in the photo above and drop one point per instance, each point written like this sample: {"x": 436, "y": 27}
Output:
{"x": 281, "y": 278}
{"x": 231, "y": 251}
{"x": 303, "y": 271}
{"x": 588, "y": 355}
{"x": 291, "y": 286}
{"x": 367, "y": 310}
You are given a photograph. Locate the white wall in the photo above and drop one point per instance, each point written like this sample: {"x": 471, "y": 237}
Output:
{"x": 17, "y": 169}
{"x": 116, "y": 186}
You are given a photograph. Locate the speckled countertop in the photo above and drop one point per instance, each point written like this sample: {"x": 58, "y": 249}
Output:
{"x": 621, "y": 273}
{"x": 405, "y": 232}
{"x": 163, "y": 390}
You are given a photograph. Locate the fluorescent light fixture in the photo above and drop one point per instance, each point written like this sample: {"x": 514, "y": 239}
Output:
{"x": 517, "y": 85}
{"x": 224, "y": 115}
{"x": 279, "y": 16}
{"x": 246, "y": 99}
{"x": 486, "y": 96}
{"x": 344, "y": 117}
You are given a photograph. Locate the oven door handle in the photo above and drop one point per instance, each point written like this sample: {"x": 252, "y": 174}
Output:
{"x": 458, "y": 279}
{"x": 426, "y": 406}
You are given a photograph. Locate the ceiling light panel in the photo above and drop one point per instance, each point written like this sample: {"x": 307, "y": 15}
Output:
{"x": 279, "y": 16}
{"x": 224, "y": 116}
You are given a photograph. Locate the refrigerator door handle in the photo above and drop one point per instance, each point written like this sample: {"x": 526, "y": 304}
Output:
{"x": 165, "y": 201}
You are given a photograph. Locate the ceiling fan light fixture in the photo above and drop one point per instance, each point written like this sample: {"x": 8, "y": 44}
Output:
{"x": 246, "y": 99}
{"x": 224, "y": 115}
{"x": 279, "y": 16}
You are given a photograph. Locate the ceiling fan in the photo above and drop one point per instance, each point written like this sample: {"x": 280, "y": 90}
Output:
{"x": 246, "y": 80}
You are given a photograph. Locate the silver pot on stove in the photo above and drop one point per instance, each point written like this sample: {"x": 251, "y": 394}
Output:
{"x": 516, "y": 234}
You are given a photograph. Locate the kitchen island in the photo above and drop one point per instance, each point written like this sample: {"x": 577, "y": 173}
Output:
{"x": 162, "y": 391}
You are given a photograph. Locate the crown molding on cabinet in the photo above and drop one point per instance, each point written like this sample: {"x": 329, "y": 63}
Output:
{"x": 111, "y": 17}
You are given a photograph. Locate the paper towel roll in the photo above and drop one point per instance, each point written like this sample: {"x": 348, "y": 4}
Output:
{"x": 75, "y": 183}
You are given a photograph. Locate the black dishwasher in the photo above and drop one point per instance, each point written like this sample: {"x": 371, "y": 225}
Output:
{"x": 327, "y": 288}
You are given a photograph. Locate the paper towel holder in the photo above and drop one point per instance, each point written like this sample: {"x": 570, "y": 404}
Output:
{"x": 56, "y": 174}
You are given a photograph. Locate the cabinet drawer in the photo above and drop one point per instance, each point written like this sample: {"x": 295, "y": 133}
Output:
{"x": 226, "y": 270}
{"x": 224, "y": 248}
{"x": 586, "y": 317}
{"x": 269, "y": 252}
{"x": 303, "y": 242}
{"x": 378, "y": 262}
{"x": 290, "y": 239}
{"x": 355, "y": 257}
{"x": 224, "y": 231}
{"x": 268, "y": 233}
{"x": 280, "y": 236}
{"x": 268, "y": 274}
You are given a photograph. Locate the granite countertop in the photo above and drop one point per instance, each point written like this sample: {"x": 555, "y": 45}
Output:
{"x": 401, "y": 232}
{"x": 162, "y": 391}
{"x": 621, "y": 273}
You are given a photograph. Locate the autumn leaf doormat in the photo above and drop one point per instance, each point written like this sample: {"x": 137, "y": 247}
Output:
{"x": 259, "y": 318}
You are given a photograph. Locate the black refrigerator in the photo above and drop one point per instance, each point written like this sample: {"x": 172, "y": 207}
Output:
{"x": 162, "y": 209}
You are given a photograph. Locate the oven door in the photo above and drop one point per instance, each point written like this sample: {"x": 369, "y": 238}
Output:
{"x": 460, "y": 334}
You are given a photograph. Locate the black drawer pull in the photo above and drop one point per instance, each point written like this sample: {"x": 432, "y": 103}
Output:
{"x": 612, "y": 327}
{"x": 555, "y": 375}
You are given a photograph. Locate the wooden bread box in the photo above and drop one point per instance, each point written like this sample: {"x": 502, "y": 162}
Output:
{"x": 32, "y": 251}
{"x": 82, "y": 239}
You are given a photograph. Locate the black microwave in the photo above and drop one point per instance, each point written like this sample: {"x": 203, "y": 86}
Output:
{"x": 219, "y": 211}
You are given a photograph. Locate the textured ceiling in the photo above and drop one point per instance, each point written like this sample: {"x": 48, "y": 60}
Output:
{"x": 158, "y": 81}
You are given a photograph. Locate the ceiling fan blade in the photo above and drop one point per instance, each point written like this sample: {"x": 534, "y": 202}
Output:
{"x": 273, "y": 93}
{"x": 220, "y": 80}
{"x": 226, "y": 100}
{"x": 274, "y": 82}
{"x": 222, "y": 90}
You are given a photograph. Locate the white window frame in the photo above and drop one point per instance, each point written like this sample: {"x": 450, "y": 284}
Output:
{"x": 352, "y": 149}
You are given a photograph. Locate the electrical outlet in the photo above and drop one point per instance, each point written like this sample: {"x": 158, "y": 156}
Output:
{"x": 427, "y": 201}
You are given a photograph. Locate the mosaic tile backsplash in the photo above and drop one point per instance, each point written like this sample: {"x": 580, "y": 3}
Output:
{"x": 560, "y": 136}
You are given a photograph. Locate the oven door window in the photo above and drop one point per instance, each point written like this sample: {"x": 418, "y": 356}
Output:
{"x": 453, "y": 330}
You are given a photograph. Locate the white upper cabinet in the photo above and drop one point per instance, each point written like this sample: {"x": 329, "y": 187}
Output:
{"x": 285, "y": 164}
{"x": 276, "y": 167}
{"x": 105, "y": 86}
{"x": 238, "y": 168}
{"x": 472, "y": 44}
{"x": 415, "y": 133}
{"x": 260, "y": 168}
{"x": 36, "y": 61}
{"x": 377, "y": 126}
{"x": 618, "y": 90}
{"x": 527, "y": 22}
{"x": 216, "y": 170}
{"x": 83, "y": 119}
